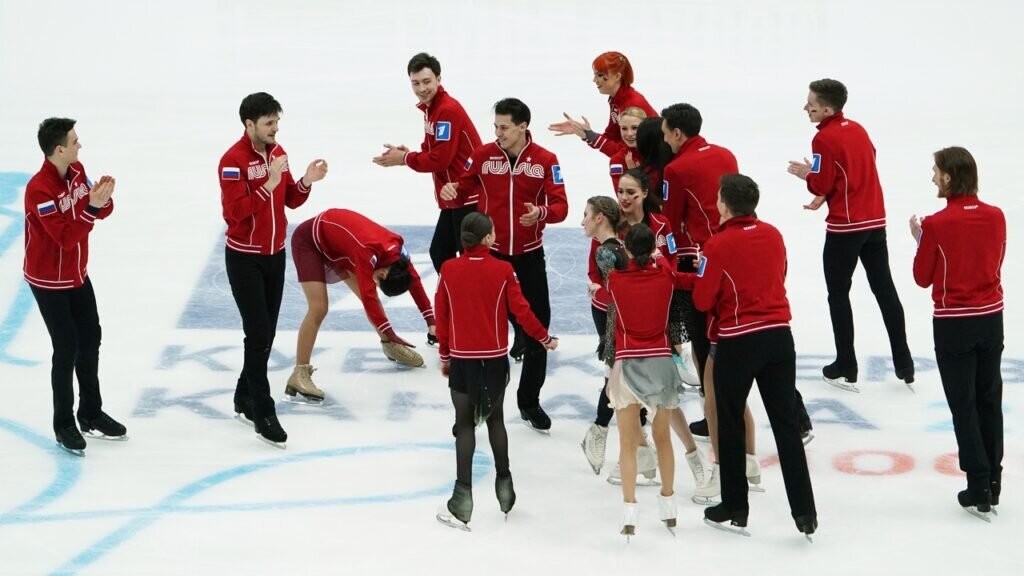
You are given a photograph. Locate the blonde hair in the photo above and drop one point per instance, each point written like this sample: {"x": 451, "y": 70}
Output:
{"x": 635, "y": 112}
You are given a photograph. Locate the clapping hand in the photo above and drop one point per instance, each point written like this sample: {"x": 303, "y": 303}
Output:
{"x": 392, "y": 156}
{"x": 101, "y": 192}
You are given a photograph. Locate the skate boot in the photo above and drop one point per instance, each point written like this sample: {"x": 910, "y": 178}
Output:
{"x": 647, "y": 466}
{"x": 995, "y": 488}
{"x": 594, "y": 444}
{"x": 906, "y": 374}
{"x": 518, "y": 349}
{"x": 402, "y": 354}
{"x": 243, "y": 410}
{"x": 459, "y": 508}
{"x": 706, "y": 494}
{"x": 753, "y": 474}
{"x": 717, "y": 516}
{"x": 536, "y": 418}
{"x": 700, "y": 467}
{"x": 977, "y": 503}
{"x": 842, "y": 377}
{"x": 300, "y": 388}
{"x": 506, "y": 493}
{"x": 667, "y": 511}
{"x": 685, "y": 367}
{"x": 629, "y": 516}
{"x": 700, "y": 432}
{"x": 103, "y": 427}
{"x": 270, "y": 431}
{"x": 70, "y": 439}
{"x": 807, "y": 524}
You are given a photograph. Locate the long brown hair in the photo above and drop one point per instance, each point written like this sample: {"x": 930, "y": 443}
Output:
{"x": 609, "y": 208}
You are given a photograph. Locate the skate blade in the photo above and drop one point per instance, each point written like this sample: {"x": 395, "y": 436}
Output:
{"x": 704, "y": 500}
{"x": 755, "y": 487}
{"x": 453, "y": 522}
{"x": 809, "y": 539}
{"x": 537, "y": 430}
{"x": 640, "y": 482}
{"x": 986, "y": 516}
{"x": 303, "y": 400}
{"x": 842, "y": 384}
{"x": 242, "y": 419}
{"x": 739, "y": 530}
{"x": 281, "y": 445}
{"x": 628, "y": 531}
{"x": 102, "y": 436}
{"x": 79, "y": 453}
{"x": 911, "y": 386}
{"x": 670, "y": 525}
{"x": 807, "y": 439}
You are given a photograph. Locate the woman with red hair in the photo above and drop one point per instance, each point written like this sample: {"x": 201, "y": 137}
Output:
{"x": 613, "y": 76}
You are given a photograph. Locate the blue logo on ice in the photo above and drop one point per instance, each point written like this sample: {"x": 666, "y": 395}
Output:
{"x": 701, "y": 266}
{"x": 671, "y": 241}
{"x": 664, "y": 190}
{"x": 443, "y": 131}
{"x": 556, "y": 174}
{"x": 816, "y": 164}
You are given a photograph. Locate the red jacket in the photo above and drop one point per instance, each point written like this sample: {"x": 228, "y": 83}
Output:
{"x": 449, "y": 139}
{"x": 689, "y": 192}
{"x": 536, "y": 178}
{"x": 960, "y": 255}
{"x": 610, "y": 141}
{"x": 58, "y": 220}
{"x": 475, "y": 293}
{"x": 642, "y": 296}
{"x": 358, "y": 245}
{"x": 741, "y": 278}
{"x": 666, "y": 246}
{"x": 843, "y": 171}
{"x": 255, "y": 215}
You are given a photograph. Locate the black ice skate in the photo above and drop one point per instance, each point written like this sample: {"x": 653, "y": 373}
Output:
{"x": 842, "y": 377}
{"x": 517, "y": 350}
{"x": 536, "y": 418}
{"x": 505, "y": 492}
{"x": 700, "y": 432}
{"x": 270, "y": 431}
{"x": 103, "y": 427}
{"x": 977, "y": 503}
{"x": 807, "y": 524}
{"x": 717, "y": 516}
{"x": 69, "y": 439}
{"x": 459, "y": 508}
{"x": 907, "y": 376}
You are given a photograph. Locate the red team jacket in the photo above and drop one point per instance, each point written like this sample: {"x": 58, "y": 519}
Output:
{"x": 504, "y": 191}
{"x": 843, "y": 171}
{"x": 358, "y": 245}
{"x": 666, "y": 246}
{"x": 255, "y": 215}
{"x": 475, "y": 293}
{"x": 610, "y": 141}
{"x": 58, "y": 220}
{"x": 960, "y": 255}
{"x": 449, "y": 139}
{"x": 689, "y": 191}
{"x": 642, "y": 296}
{"x": 741, "y": 279}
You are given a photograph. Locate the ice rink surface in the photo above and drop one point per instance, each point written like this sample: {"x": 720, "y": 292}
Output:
{"x": 155, "y": 88}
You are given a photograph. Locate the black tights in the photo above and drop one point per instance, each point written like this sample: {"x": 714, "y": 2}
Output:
{"x": 465, "y": 436}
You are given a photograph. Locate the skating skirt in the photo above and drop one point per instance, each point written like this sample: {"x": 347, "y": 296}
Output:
{"x": 484, "y": 380}
{"x": 652, "y": 383}
{"x": 310, "y": 263}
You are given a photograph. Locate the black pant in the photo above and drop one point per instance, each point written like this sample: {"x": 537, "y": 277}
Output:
{"x": 74, "y": 326}
{"x": 257, "y": 283}
{"x": 447, "y": 240}
{"x": 770, "y": 358}
{"x": 694, "y": 321}
{"x": 968, "y": 352}
{"x": 840, "y": 259}
{"x": 532, "y": 272}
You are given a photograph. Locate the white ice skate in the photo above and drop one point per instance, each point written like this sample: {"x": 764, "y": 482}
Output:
{"x": 684, "y": 365}
{"x": 753, "y": 474}
{"x": 646, "y": 468}
{"x": 594, "y": 444}
{"x": 629, "y": 516}
{"x": 705, "y": 495}
{"x": 667, "y": 512}
{"x": 699, "y": 466}
{"x": 445, "y": 516}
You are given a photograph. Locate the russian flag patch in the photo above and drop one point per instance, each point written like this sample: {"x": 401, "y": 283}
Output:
{"x": 230, "y": 173}
{"x": 46, "y": 208}
{"x": 615, "y": 169}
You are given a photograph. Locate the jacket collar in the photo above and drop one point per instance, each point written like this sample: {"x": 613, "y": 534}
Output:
{"x": 837, "y": 117}
{"x": 738, "y": 222}
{"x": 441, "y": 95}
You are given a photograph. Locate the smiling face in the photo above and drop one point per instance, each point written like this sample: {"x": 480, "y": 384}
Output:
{"x": 424, "y": 85}
{"x": 68, "y": 152}
{"x": 628, "y": 126}
{"x": 816, "y": 111}
{"x": 631, "y": 197}
{"x": 511, "y": 136}
{"x": 607, "y": 84}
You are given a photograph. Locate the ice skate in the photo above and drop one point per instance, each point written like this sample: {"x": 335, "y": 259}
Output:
{"x": 667, "y": 512}
{"x": 705, "y": 495}
{"x": 103, "y": 427}
{"x": 729, "y": 521}
{"x": 517, "y": 350}
{"x": 457, "y": 512}
{"x": 70, "y": 440}
{"x": 594, "y": 444}
{"x": 629, "y": 516}
{"x": 536, "y": 418}
{"x": 243, "y": 411}
{"x": 402, "y": 354}
{"x": 646, "y": 468}
{"x": 506, "y": 493}
{"x": 907, "y": 376}
{"x": 753, "y": 474}
{"x": 431, "y": 340}
{"x": 269, "y": 429}
{"x": 807, "y": 525}
{"x": 300, "y": 388}
{"x": 978, "y": 504}
{"x": 699, "y": 430}
{"x": 699, "y": 466}
{"x": 685, "y": 367}
{"x": 844, "y": 379}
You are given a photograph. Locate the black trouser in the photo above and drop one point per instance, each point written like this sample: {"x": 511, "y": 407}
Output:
{"x": 695, "y": 321}
{"x": 770, "y": 358}
{"x": 968, "y": 352}
{"x": 447, "y": 240}
{"x": 257, "y": 283}
{"x": 74, "y": 326}
{"x": 532, "y": 272}
{"x": 840, "y": 260}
